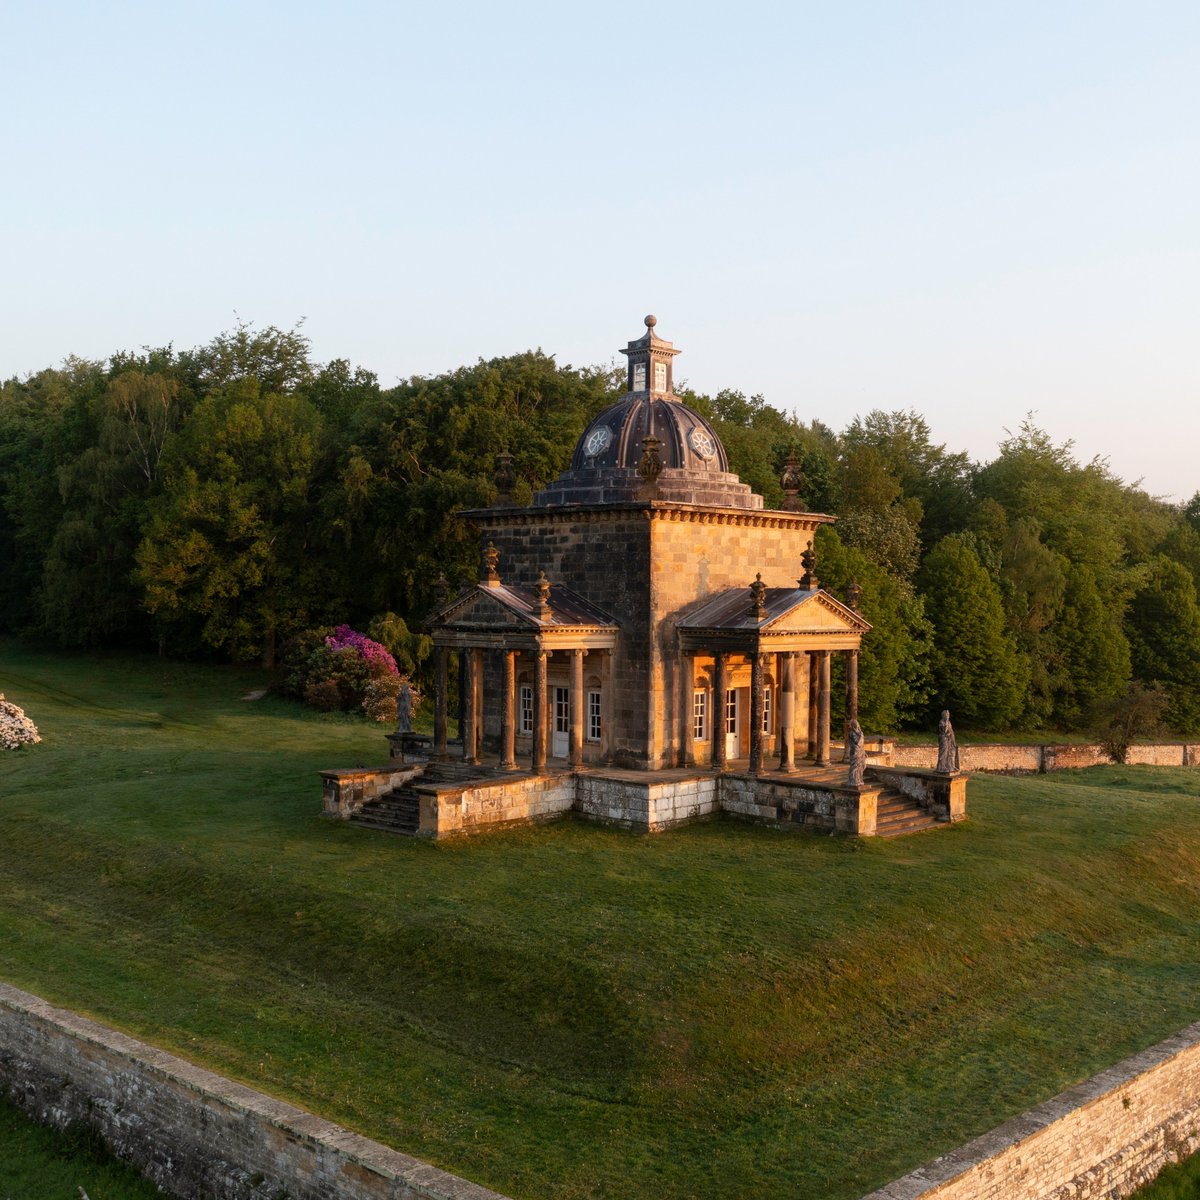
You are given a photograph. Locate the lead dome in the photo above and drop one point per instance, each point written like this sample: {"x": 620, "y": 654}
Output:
{"x": 693, "y": 466}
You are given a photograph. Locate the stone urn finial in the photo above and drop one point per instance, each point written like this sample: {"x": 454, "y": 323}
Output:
{"x": 792, "y": 481}
{"x": 491, "y": 561}
{"x": 505, "y": 479}
{"x": 543, "y": 594}
{"x": 853, "y": 596}
{"x": 441, "y": 590}
{"x": 758, "y": 605}
{"x": 809, "y": 581}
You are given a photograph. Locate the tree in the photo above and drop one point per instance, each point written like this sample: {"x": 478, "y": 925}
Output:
{"x": 426, "y": 450}
{"x": 976, "y": 668}
{"x": 1093, "y": 649}
{"x": 225, "y": 560}
{"x": 1120, "y": 720}
{"x": 893, "y": 669}
{"x": 1163, "y": 624}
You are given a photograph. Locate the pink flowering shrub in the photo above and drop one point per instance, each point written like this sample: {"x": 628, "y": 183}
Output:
{"x": 377, "y": 657}
{"x": 342, "y": 669}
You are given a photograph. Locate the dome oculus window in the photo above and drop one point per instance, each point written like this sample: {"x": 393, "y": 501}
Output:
{"x": 597, "y": 441}
{"x": 701, "y": 443}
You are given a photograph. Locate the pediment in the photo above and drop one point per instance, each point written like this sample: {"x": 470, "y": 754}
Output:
{"x": 817, "y": 612}
{"x": 480, "y": 609}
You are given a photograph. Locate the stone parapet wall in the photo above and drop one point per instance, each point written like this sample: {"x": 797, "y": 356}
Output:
{"x": 475, "y": 808}
{"x": 943, "y": 795}
{"x": 192, "y": 1132}
{"x": 1100, "y": 1140}
{"x": 632, "y": 804}
{"x": 848, "y": 810}
{"x": 1042, "y": 757}
{"x": 343, "y": 793}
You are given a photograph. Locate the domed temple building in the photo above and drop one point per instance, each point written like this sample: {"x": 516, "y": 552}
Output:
{"x": 646, "y": 644}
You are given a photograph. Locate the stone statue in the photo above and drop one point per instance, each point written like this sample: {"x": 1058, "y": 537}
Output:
{"x": 947, "y": 762}
{"x": 856, "y": 755}
{"x": 404, "y": 707}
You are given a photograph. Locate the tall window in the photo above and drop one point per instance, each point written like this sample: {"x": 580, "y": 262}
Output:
{"x": 767, "y": 709}
{"x": 593, "y": 722}
{"x": 526, "y": 708}
{"x": 639, "y": 377}
{"x": 731, "y": 711}
{"x": 660, "y": 377}
{"x": 700, "y": 715}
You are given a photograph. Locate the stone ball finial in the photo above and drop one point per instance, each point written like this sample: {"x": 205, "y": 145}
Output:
{"x": 651, "y": 320}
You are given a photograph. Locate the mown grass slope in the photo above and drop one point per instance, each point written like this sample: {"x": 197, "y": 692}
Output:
{"x": 570, "y": 1011}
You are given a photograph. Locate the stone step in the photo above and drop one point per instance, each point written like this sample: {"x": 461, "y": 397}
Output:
{"x": 897, "y": 814}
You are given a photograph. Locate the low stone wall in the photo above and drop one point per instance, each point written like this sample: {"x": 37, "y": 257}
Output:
{"x": 343, "y": 793}
{"x": 1098, "y": 1141}
{"x": 192, "y": 1132}
{"x": 846, "y": 809}
{"x": 945, "y": 796}
{"x": 1036, "y": 759}
{"x": 481, "y": 806}
{"x": 632, "y": 804}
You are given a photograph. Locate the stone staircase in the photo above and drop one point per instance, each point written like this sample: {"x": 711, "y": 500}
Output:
{"x": 399, "y": 811}
{"x": 898, "y": 814}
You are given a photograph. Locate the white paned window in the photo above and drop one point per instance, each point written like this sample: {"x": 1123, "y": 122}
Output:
{"x": 700, "y": 715}
{"x": 639, "y": 377}
{"x": 526, "y": 708}
{"x": 593, "y": 722}
{"x": 731, "y": 711}
{"x": 660, "y": 377}
{"x": 766, "y": 709}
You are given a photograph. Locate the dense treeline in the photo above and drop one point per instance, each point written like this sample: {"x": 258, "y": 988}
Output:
{"x": 224, "y": 499}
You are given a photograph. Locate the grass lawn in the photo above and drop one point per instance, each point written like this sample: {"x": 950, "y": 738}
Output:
{"x": 570, "y": 1011}
{"x": 40, "y": 1164}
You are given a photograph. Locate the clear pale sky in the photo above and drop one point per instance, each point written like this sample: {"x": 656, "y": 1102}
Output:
{"x": 974, "y": 210}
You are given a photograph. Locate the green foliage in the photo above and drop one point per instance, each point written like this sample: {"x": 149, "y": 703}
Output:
{"x": 977, "y": 672}
{"x": 410, "y": 649}
{"x": 894, "y": 663}
{"x": 1136, "y": 714}
{"x": 1094, "y": 651}
{"x": 426, "y": 450}
{"x": 1164, "y": 639}
{"x": 223, "y": 559}
{"x": 1176, "y": 1181}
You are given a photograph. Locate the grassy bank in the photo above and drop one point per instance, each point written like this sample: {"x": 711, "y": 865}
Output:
{"x": 570, "y": 1011}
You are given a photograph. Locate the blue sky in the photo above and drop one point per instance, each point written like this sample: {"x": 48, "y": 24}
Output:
{"x": 971, "y": 210}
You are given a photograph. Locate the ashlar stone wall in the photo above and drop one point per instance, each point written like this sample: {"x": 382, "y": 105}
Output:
{"x": 195, "y": 1133}
{"x": 1100, "y": 1140}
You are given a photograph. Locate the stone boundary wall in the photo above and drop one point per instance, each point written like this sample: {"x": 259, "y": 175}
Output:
{"x": 1099, "y": 1140}
{"x": 192, "y": 1132}
{"x": 1036, "y": 759}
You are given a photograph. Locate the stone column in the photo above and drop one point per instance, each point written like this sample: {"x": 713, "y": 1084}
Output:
{"x": 851, "y": 698}
{"x": 823, "y": 708}
{"x": 439, "y": 701}
{"x": 717, "y": 723}
{"x": 469, "y": 741}
{"x": 539, "y": 711}
{"x": 576, "y": 745}
{"x": 787, "y": 712}
{"x": 606, "y": 706}
{"x": 756, "y": 713}
{"x": 687, "y": 674}
{"x": 813, "y": 677}
{"x": 508, "y": 725}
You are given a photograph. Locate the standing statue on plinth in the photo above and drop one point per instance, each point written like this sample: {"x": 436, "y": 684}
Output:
{"x": 947, "y": 762}
{"x": 856, "y": 755}
{"x": 404, "y": 707}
